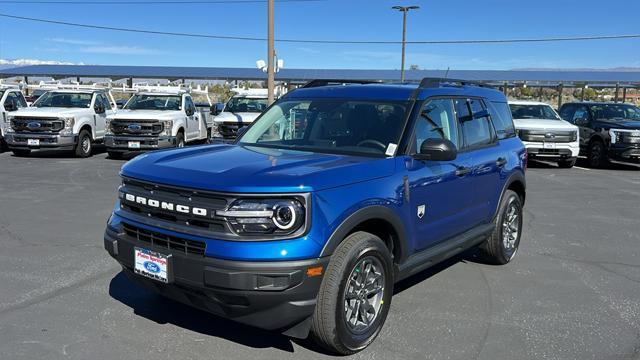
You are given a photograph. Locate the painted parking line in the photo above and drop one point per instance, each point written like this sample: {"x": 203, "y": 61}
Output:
{"x": 581, "y": 168}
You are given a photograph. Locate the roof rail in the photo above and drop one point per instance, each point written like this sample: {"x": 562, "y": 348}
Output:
{"x": 49, "y": 85}
{"x": 327, "y": 82}
{"x": 437, "y": 82}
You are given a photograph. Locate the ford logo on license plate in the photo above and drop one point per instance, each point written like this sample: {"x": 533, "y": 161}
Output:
{"x": 151, "y": 267}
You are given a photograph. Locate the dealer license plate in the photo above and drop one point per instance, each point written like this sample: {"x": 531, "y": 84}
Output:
{"x": 549, "y": 145}
{"x": 33, "y": 142}
{"x": 134, "y": 144}
{"x": 151, "y": 264}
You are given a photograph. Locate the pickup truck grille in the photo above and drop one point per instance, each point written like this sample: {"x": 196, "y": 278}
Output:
{"x": 229, "y": 130}
{"x": 188, "y": 247}
{"x": 548, "y": 136}
{"x": 204, "y": 225}
{"x": 37, "y": 125}
{"x": 629, "y": 138}
{"x": 136, "y": 127}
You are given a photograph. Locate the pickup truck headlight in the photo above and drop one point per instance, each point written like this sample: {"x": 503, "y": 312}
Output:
{"x": 168, "y": 127}
{"x": 7, "y": 126}
{"x": 616, "y": 135}
{"x": 265, "y": 216}
{"x": 107, "y": 127}
{"x": 69, "y": 122}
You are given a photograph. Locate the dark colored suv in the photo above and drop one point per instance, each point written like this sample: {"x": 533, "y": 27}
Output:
{"x": 607, "y": 130}
{"x": 332, "y": 195}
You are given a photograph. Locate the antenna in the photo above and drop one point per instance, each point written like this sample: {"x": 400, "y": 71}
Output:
{"x": 446, "y": 74}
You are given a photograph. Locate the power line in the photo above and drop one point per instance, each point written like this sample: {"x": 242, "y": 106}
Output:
{"x": 350, "y": 42}
{"x": 155, "y": 2}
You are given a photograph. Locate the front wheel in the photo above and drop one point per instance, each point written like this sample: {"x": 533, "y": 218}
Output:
{"x": 180, "y": 140}
{"x": 355, "y": 295}
{"x": 84, "y": 146}
{"x": 502, "y": 245}
{"x": 597, "y": 156}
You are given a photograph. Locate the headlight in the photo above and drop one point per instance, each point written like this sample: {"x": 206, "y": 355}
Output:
{"x": 265, "y": 216}
{"x": 107, "y": 127}
{"x": 168, "y": 127}
{"x": 615, "y": 135}
{"x": 574, "y": 136}
{"x": 69, "y": 122}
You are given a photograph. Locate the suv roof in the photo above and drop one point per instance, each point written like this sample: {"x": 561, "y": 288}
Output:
{"x": 595, "y": 103}
{"x": 526, "y": 102}
{"x": 397, "y": 92}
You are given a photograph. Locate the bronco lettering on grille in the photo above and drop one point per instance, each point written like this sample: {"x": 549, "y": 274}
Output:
{"x": 153, "y": 203}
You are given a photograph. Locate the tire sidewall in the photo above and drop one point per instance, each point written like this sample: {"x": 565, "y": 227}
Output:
{"x": 355, "y": 342}
{"x": 510, "y": 198}
{"x": 180, "y": 139}
{"x": 80, "y": 150}
{"x": 596, "y": 147}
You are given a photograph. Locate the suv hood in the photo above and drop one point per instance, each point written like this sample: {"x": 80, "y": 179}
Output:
{"x": 240, "y": 117}
{"x": 242, "y": 169}
{"x": 617, "y": 124}
{"x": 147, "y": 114}
{"x": 543, "y": 124}
{"x": 52, "y": 112}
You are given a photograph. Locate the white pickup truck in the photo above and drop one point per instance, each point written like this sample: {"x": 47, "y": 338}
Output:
{"x": 64, "y": 118}
{"x": 241, "y": 110}
{"x": 545, "y": 135}
{"x": 11, "y": 99}
{"x": 156, "y": 118}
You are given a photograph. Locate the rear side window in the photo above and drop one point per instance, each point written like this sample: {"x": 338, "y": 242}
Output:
{"x": 566, "y": 112}
{"x": 476, "y": 130}
{"x": 502, "y": 121}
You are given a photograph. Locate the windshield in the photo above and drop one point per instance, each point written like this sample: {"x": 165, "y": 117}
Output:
{"x": 533, "y": 112}
{"x": 244, "y": 104}
{"x": 154, "y": 102}
{"x": 64, "y": 100}
{"x": 616, "y": 111}
{"x": 329, "y": 125}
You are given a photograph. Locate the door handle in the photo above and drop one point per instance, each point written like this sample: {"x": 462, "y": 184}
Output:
{"x": 501, "y": 162}
{"x": 462, "y": 171}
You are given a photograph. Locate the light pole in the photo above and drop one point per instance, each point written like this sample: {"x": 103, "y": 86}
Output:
{"x": 404, "y": 10}
{"x": 271, "y": 73}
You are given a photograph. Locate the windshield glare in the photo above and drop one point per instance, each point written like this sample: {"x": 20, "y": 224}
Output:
{"x": 154, "y": 102}
{"x": 329, "y": 125}
{"x": 616, "y": 111}
{"x": 64, "y": 100}
{"x": 244, "y": 104}
{"x": 533, "y": 112}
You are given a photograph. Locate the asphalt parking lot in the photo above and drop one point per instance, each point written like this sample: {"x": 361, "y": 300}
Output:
{"x": 572, "y": 293}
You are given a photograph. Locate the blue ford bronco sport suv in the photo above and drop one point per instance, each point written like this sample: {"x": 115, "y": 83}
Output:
{"x": 338, "y": 191}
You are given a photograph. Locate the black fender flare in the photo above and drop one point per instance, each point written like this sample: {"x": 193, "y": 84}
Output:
{"x": 362, "y": 215}
{"x": 514, "y": 177}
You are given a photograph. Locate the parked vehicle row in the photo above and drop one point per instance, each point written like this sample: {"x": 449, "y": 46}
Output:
{"x": 240, "y": 111}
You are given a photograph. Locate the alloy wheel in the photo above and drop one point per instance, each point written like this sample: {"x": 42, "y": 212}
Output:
{"x": 363, "y": 296}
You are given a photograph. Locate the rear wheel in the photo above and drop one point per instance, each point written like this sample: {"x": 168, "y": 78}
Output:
{"x": 21, "y": 152}
{"x": 84, "y": 146}
{"x": 502, "y": 245}
{"x": 567, "y": 163}
{"x": 355, "y": 295}
{"x": 596, "y": 155}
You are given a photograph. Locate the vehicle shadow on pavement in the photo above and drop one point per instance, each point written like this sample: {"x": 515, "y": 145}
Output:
{"x": 61, "y": 154}
{"x": 154, "y": 307}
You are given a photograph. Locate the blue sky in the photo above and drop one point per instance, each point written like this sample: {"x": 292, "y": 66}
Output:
{"x": 331, "y": 19}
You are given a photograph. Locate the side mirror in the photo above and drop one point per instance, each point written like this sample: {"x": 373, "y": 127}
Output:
{"x": 10, "y": 105}
{"x": 241, "y": 131}
{"x": 582, "y": 122}
{"x": 99, "y": 109}
{"x": 437, "y": 150}
{"x": 190, "y": 111}
{"x": 217, "y": 109}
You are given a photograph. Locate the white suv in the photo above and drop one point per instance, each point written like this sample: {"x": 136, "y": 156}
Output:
{"x": 545, "y": 135}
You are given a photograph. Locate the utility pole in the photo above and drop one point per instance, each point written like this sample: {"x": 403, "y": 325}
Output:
{"x": 404, "y": 10}
{"x": 271, "y": 74}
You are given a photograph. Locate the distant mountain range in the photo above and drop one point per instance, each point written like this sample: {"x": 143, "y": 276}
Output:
{"x": 617, "y": 69}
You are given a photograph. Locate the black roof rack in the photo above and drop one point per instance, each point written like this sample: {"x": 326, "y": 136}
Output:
{"x": 437, "y": 82}
{"x": 327, "y": 82}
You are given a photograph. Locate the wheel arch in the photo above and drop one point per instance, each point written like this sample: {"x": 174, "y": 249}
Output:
{"x": 517, "y": 183}
{"x": 89, "y": 128}
{"x": 378, "y": 220}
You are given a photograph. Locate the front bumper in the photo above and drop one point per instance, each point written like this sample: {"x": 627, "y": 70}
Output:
{"x": 625, "y": 153}
{"x": 552, "y": 151}
{"x": 121, "y": 142}
{"x": 46, "y": 141}
{"x": 267, "y": 295}
{"x": 229, "y": 129}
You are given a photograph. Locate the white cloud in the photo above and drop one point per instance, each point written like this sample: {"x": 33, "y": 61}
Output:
{"x": 25, "y": 62}
{"x": 72, "y": 41}
{"x": 120, "y": 50}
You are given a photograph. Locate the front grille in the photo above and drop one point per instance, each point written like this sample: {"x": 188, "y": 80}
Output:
{"x": 177, "y": 244}
{"x": 136, "y": 127}
{"x": 548, "y": 136}
{"x": 229, "y": 129}
{"x": 177, "y": 196}
{"x": 37, "y": 125}
{"x": 628, "y": 138}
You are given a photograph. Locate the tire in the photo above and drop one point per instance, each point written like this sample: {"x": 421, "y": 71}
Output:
{"x": 21, "y": 152}
{"x": 596, "y": 154}
{"x": 499, "y": 251}
{"x": 180, "y": 140}
{"x": 84, "y": 146}
{"x": 115, "y": 155}
{"x": 333, "y": 327}
{"x": 567, "y": 164}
